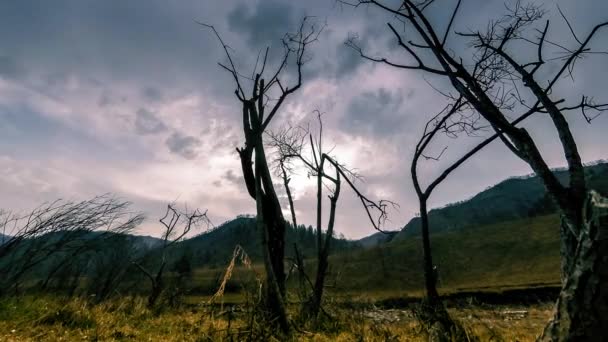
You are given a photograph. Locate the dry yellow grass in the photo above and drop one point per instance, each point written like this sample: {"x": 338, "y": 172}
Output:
{"x": 52, "y": 319}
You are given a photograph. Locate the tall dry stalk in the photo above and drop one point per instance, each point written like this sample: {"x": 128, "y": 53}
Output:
{"x": 238, "y": 254}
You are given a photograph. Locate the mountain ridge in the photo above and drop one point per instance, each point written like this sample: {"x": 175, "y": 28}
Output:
{"x": 511, "y": 199}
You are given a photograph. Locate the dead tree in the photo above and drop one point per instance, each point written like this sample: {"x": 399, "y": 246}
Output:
{"x": 453, "y": 120}
{"x": 290, "y": 144}
{"x": 497, "y": 84}
{"x": 259, "y": 107}
{"x": 284, "y": 141}
{"x": 67, "y": 265}
{"x": 58, "y": 227}
{"x": 284, "y": 173}
{"x": 176, "y": 225}
{"x": 108, "y": 266}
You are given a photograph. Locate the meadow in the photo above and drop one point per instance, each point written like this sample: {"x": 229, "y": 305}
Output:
{"x": 499, "y": 282}
{"x": 129, "y": 319}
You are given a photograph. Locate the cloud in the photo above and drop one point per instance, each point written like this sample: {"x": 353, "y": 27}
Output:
{"x": 104, "y": 100}
{"x": 9, "y": 68}
{"x": 152, "y": 93}
{"x": 232, "y": 178}
{"x": 183, "y": 145}
{"x": 377, "y": 113}
{"x": 147, "y": 122}
{"x": 347, "y": 62}
{"x": 369, "y": 38}
{"x": 126, "y": 97}
{"x": 267, "y": 21}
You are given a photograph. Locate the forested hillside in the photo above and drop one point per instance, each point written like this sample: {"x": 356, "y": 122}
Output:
{"x": 215, "y": 248}
{"x": 511, "y": 199}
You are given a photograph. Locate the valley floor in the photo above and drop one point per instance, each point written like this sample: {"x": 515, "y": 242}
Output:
{"x": 128, "y": 319}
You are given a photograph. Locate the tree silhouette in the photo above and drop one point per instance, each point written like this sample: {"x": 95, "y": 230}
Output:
{"x": 496, "y": 83}
{"x": 259, "y": 107}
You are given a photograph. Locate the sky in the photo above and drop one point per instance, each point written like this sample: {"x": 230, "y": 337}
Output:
{"x": 127, "y": 97}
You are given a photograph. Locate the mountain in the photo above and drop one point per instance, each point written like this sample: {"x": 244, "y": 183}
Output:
{"x": 507, "y": 255}
{"x": 506, "y": 236}
{"x": 376, "y": 239}
{"x": 215, "y": 247}
{"x": 3, "y": 238}
{"x": 511, "y": 199}
{"x": 146, "y": 241}
{"x": 58, "y": 247}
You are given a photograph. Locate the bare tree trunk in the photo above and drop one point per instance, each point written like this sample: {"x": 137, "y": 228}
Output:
{"x": 157, "y": 286}
{"x": 323, "y": 245}
{"x": 286, "y": 181}
{"x": 581, "y": 312}
{"x": 322, "y": 265}
{"x": 269, "y": 220}
{"x": 270, "y": 210}
{"x": 430, "y": 281}
{"x": 272, "y": 229}
{"x": 276, "y": 249}
{"x": 317, "y": 296}
{"x": 303, "y": 279}
{"x": 568, "y": 243}
{"x": 432, "y": 312}
{"x": 154, "y": 295}
{"x": 315, "y": 300}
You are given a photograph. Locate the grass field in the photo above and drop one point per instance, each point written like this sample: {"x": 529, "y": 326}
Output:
{"x": 54, "y": 319}
{"x": 370, "y": 295}
{"x": 511, "y": 255}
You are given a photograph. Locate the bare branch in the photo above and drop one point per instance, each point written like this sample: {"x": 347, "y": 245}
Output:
{"x": 569, "y": 26}
{"x": 56, "y": 227}
{"x": 232, "y": 69}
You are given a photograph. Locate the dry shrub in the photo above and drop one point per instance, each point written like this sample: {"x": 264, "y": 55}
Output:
{"x": 238, "y": 254}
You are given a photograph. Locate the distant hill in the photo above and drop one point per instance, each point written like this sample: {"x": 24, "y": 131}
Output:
{"x": 3, "y": 238}
{"x": 512, "y": 199}
{"x": 506, "y": 236}
{"x": 146, "y": 241}
{"x": 54, "y": 248}
{"x": 376, "y": 239}
{"x": 214, "y": 248}
{"x": 510, "y": 254}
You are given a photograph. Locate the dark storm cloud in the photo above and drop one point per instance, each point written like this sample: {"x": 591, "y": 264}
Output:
{"x": 151, "y": 93}
{"x": 22, "y": 125}
{"x": 232, "y": 178}
{"x": 151, "y": 42}
{"x": 104, "y": 100}
{"x": 9, "y": 68}
{"x": 28, "y": 134}
{"x": 147, "y": 122}
{"x": 266, "y": 22}
{"x": 347, "y": 61}
{"x": 377, "y": 113}
{"x": 183, "y": 145}
{"x": 115, "y": 57}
